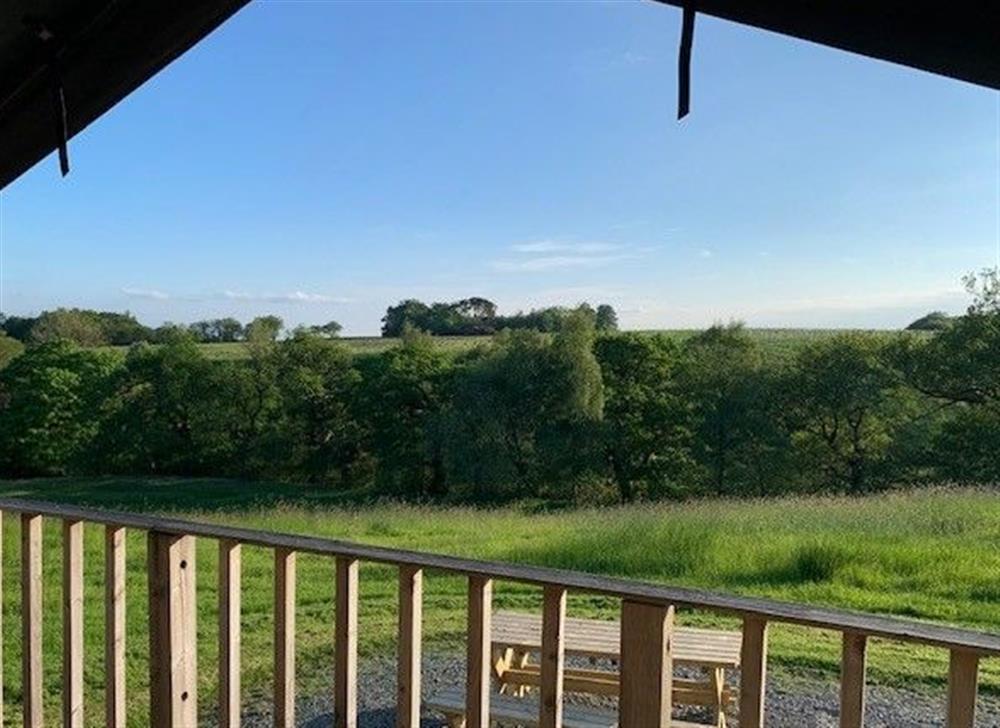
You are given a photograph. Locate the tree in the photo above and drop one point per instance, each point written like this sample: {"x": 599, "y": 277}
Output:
{"x": 736, "y": 438}
{"x": 164, "y": 414}
{"x": 645, "y": 432}
{"x": 934, "y": 321}
{"x": 9, "y": 348}
{"x": 409, "y": 312}
{"x": 320, "y": 435}
{"x": 516, "y": 405}
{"x": 49, "y": 399}
{"x": 264, "y": 328}
{"x": 404, "y": 391}
{"x": 17, "y": 327}
{"x": 71, "y": 325}
{"x": 839, "y": 406}
{"x": 607, "y": 318}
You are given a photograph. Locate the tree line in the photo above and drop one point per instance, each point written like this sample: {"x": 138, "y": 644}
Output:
{"x": 86, "y": 327}
{"x": 478, "y": 317}
{"x": 575, "y": 415}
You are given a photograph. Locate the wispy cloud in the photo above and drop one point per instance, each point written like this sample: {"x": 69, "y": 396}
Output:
{"x": 557, "y": 262}
{"x": 705, "y": 253}
{"x": 293, "y": 297}
{"x": 547, "y": 255}
{"x": 557, "y": 246}
{"x": 145, "y": 293}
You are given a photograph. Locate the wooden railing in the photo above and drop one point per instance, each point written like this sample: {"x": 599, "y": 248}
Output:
{"x": 646, "y": 623}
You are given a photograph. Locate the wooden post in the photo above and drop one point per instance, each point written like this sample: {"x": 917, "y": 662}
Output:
{"x": 284, "y": 638}
{"x": 852, "y": 680}
{"x": 114, "y": 627}
{"x": 553, "y": 638}
{"x": 345, "y": 675}
{"x": 230, "y": 562}
{"x": 963, "y": 684}
{"x": 477, "y": 682}
{"x": 31, "y": 619}
{"x": 72, "y": 602}
{"x": 411, "y": 589}
{"x": 646, "y": 683}
{"x": 753, "y": 672}
{"x": 173, "y": 636}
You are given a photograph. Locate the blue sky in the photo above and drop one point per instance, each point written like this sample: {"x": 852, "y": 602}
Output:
{"x": 323, "y": 160}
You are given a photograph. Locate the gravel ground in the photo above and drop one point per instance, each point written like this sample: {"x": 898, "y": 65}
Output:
{"x": 790, "y": 704}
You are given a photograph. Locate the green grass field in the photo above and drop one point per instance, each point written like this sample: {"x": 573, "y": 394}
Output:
{"x": 931, "y": 555}
{"x": 778, "y": 343}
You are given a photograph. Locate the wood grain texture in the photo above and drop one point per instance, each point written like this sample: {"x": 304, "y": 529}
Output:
{"x": 173, "y": 634}
{"x": 230, "y": 632}
{"x": 553, "y": 664}
{"x": 477, "y": 681}
{"x": 963, "y": 685}
{"x": 762, "y": 609}
{"x": 345, "y": 674}
{"x": 408, "y": 667}
{"x": 114, "y": 627}
{"x": 284, "y": 638}
{"x": 852, "y": 680}
{"x": 31, "y": 619}
{"x": 753, "y": 673}
{"x": 72, "y": 611}
{"x": 646, "y": 687}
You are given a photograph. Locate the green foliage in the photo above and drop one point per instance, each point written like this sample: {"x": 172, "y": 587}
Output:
{"x": 839, "y": 407}
{"x": 478, "y": 316}
{"x": 934, "y": 321}
{"x": 9, "y": 348}
{"x": 569, "y": 416}
{"x": 646, "y": 429}
{"x": 48, "y": 396}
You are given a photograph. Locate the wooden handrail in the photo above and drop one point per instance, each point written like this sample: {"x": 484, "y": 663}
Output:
{"x": 768, "y": 610}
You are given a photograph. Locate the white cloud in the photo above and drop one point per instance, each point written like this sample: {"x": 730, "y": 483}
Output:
{"x": 556, "y": 246}
{"x": 558, "y": 262}
{"x": 145, "y": 293}
{"x": 705, "y": 253}
{"x": 293, "y": 297}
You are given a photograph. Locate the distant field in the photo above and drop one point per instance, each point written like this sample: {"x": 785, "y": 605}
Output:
{"x": 928, "y": 555}
{"x": 774, "y": 342}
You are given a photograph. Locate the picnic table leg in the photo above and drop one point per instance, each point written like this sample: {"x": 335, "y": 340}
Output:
{"x": 503, "y": 658}
{"x": 718, "y": 679}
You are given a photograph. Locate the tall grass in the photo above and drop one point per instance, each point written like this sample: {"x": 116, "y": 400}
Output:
{"x": 929, "y": 555}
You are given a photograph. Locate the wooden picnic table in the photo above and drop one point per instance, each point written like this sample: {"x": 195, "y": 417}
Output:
{"x": 517, "y": 636}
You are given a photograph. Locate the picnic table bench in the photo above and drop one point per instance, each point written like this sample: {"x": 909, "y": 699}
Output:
{"x": 517, "y": 636}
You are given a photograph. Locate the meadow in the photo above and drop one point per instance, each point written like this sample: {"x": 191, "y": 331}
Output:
{"x": 928, "y": 554}
{"x": 781, "y": 343}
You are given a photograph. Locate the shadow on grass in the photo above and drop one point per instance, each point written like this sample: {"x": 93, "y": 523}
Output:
{"x": 177, "y": 493}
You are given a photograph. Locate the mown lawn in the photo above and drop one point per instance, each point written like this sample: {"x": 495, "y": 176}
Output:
{"x": 928, "y": 555}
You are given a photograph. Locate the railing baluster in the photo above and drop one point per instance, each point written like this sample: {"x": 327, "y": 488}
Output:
{"x": 753, "y": 672}
{"x": 852, "y": 680}
{"x": 646, "y": 683}
{"x": 553, "y": 636}
{"x": 963, "y": 684}
{"x": 345, "y": 676}
{"x": 284, "y": 638}
{"x": 72, "y": 677}
{"x": 31, "y": 619}
{"x": 173, "y": 633}
{"x": 114, "y": 626}
{"x": 230, "y": 562}
{"x": 411, "y": 581}
{"x": 477, "y": 683}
